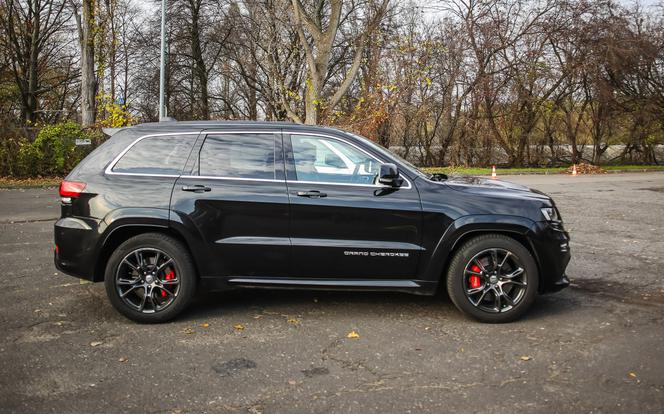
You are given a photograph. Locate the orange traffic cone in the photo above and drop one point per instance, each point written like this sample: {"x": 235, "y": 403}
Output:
{"x": 574, "y": 170}
{"x": 493, "y": 172}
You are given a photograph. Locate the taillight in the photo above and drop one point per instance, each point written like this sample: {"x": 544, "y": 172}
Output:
{"x": 71, "y": 188}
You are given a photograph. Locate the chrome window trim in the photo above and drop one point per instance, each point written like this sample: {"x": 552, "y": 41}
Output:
{"x": 210, "y": 177}
{"x": 316, "y": 134}
{"x": 109, "y": 169}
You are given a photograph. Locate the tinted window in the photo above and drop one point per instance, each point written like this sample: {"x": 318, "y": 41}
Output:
{"x": 238, "y": 155}
{"x": 157, "y": 155}
{"x": 321, "y": 159}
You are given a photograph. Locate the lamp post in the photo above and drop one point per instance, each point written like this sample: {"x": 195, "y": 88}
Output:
{"x": 162, "y": 66}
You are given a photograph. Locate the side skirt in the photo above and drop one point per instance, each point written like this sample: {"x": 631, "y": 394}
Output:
{"x": 416, "y": 287}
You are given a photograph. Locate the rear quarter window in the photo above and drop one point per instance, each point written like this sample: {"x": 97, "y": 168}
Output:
{"x": 161, "y": 155}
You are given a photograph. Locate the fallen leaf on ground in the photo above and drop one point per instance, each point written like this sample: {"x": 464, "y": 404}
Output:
{"x": 122, "y": 359}
{"x": 353, "y": 335}
{"x": 96, "y": 343}
{"x": 205, "y": 325}
{"x": 292, "y": 382}
{"x": 526, "y": 358}
{"x": 239, "y": 327}
{"x": 188, "y": 331}
{"x": 632, "y": 375}
{"x": 293, "y": 321}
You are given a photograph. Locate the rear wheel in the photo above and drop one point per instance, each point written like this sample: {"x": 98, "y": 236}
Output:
{"x": 493, "y": 278}
{"x": 150, "y": 278}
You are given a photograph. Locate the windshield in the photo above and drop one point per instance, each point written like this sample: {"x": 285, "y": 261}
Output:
{"x": 410, "y": 167}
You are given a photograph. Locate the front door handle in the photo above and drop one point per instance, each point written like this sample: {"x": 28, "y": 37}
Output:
{"x": 311, "y": 194}
{"x": 196, "y": 188}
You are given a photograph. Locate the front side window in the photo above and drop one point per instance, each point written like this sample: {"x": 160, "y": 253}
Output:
{"x": 320, "y": 159}
{"x": 160, "y": 155}
{"x": 238, "y": 156}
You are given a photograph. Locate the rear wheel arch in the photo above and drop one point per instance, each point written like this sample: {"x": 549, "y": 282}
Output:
{"x": 122, "y": 233}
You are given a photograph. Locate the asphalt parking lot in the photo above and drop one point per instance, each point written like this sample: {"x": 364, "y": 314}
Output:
{"x": 595, "y": 347}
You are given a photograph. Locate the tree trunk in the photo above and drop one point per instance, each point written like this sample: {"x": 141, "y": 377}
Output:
{"x": 88, "y": 80}
{"x": 197, "y": 54}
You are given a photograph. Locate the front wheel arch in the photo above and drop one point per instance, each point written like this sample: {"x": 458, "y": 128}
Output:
{"x": 519, "y": 237}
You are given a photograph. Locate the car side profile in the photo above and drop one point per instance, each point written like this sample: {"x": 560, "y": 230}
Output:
{"x": 161, "y": 210}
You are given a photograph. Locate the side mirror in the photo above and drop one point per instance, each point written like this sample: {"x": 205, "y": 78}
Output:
{"x": 389, "y": 175}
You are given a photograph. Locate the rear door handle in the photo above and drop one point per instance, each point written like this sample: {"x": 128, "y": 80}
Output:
{"x": 311, "y": 194}
{"x": 196, "y": 188}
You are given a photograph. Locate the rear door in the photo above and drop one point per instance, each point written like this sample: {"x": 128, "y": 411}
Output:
{"x": 235, "y": 198}
{"x": 343, "y": 224}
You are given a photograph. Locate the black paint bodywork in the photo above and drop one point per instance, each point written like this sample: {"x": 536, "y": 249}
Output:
{"x": 260, "y": 233}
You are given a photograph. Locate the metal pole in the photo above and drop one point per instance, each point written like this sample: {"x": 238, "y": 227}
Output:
{"x": 162, "y": 67}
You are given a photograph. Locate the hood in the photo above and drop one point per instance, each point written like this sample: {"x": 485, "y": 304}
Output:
{"x": 488, "y": 186}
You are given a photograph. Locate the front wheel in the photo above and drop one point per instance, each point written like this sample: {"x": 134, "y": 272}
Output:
{"x": 150, "y": 278}
{"x": 493, "y": 278}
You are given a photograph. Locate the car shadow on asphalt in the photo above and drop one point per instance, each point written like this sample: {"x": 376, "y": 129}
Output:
{"x": 250, "y": 302}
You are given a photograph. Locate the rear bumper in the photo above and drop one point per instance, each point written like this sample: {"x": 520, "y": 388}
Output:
{"x": 551, "y": 245}
{"x": 75, "y": 242}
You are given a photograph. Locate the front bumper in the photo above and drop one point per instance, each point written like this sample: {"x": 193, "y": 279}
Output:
{"x": 551, "y": 246}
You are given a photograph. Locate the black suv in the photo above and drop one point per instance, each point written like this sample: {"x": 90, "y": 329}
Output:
{"x": 162, "y": 209}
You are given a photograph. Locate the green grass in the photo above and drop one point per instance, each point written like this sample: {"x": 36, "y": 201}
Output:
{"x": 534, "y": 170}
{"x": 633, "y": 167}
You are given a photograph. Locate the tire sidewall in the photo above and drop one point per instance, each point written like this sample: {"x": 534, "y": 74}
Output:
{"x": 455, "y": 280}
{"x": 183, "y": 263}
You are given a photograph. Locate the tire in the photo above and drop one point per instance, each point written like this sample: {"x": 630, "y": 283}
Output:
{"x": 475, "y": 278}
{"x": 172, "y": 282}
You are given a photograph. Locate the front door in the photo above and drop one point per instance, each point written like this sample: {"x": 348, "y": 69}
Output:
{"x": 343, "y": 224}
{"x": 235, "y": 198}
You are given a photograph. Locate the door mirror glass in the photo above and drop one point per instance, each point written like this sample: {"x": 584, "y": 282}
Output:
{"x": 389, "y": 175}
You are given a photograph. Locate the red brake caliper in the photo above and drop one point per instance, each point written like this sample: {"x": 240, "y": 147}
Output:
{"x": 169, "y": 276}
{"x": 474, "y": 281}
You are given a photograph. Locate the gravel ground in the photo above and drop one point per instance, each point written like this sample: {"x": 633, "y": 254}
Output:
{"x": 595, "y": 347}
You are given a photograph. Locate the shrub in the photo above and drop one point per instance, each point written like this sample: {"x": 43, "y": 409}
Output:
{"x": 53, "y": 152}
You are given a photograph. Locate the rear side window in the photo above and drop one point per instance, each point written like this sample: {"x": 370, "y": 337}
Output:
{"x": 162, "y": 155}
{"x": 238, "y": 156}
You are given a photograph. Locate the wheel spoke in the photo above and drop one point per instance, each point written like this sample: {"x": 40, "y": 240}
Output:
{"x": 494, "y": 259}
{"x": 144, "y": 299}
{"x": 507, "y": 254}
{"x": 473, "y": 273}
{"x": 128, "y": 263}
{"x": 128, "y": 291}
{"x": 168, "y": 292}
{"x": 507, "y": 299}
{"x": 496, "y": 300}
{"x": 128, "y": 281}
{"x": 514, "y": 274}
{"x": 161, "y": 267}
{"x": 172, "y": 282}
{"x": 139, "y": 258}
{"x": 514, "y": 282}
{"x": 474, "y": 291}
{"x": 481, "y": 266}
{"x": 480, "y": 298}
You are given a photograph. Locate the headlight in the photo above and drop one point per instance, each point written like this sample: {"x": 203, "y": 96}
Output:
{"x": 550, "y": 214}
